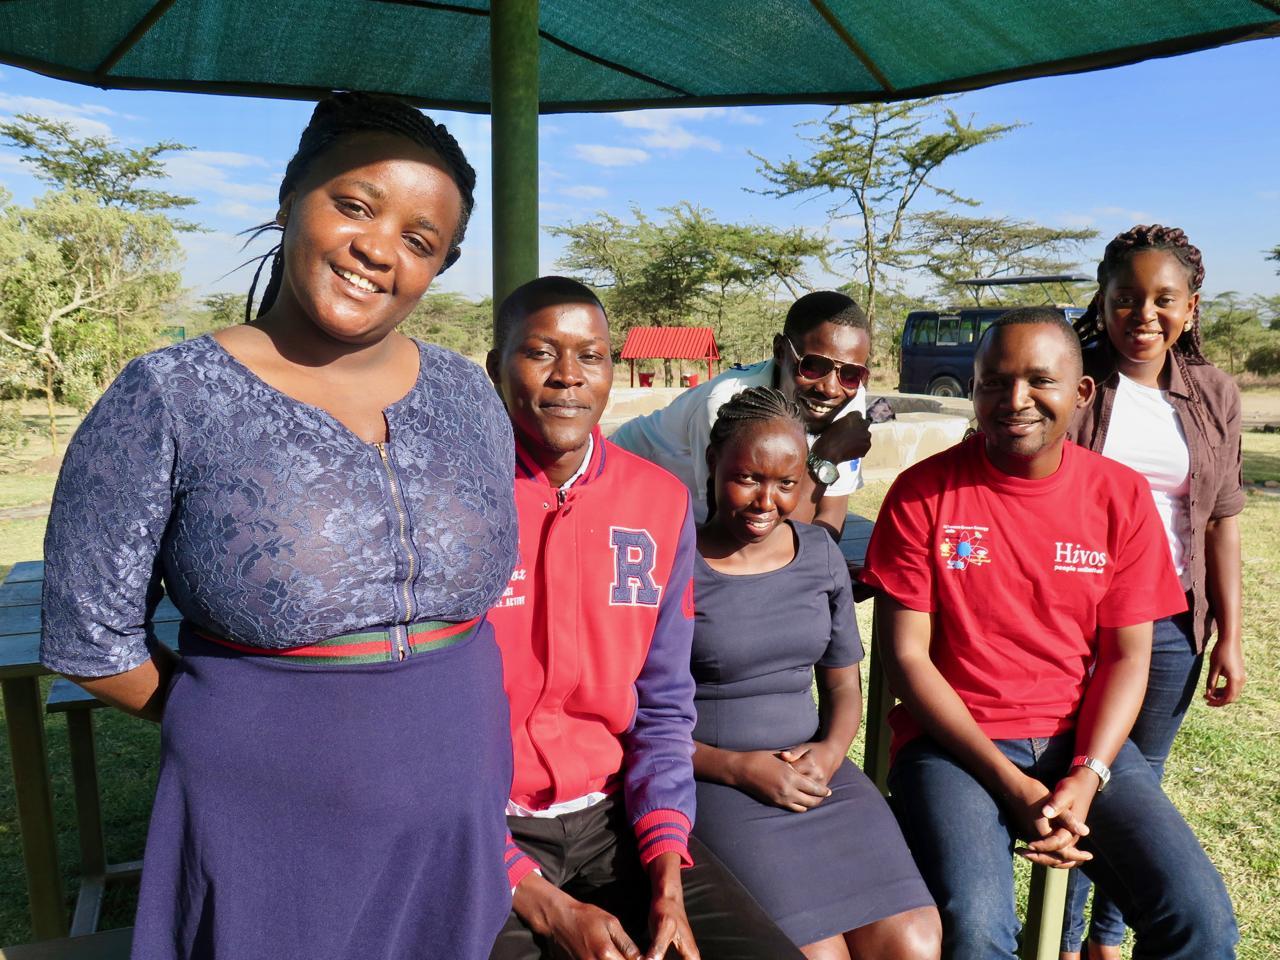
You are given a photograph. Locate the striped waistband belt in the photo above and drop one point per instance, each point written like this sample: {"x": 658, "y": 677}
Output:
{"x": 375, "y": 646}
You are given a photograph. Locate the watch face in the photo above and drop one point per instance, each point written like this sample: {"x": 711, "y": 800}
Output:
{"x": 824, "y": 471}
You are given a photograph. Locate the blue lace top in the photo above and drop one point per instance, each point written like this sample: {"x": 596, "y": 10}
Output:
{"x": 270, "y": 522}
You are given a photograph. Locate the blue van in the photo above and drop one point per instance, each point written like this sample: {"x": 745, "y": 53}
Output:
{"x": 938, "y": 345}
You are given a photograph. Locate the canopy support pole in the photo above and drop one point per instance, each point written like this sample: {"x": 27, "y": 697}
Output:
{"x": 513, "y": 73}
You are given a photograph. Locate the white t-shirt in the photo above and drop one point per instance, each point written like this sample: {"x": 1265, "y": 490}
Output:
{"x": 1145, "y": 434}
{"x": 676, "y": 437}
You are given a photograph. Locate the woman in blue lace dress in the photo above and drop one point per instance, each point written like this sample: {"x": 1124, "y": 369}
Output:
{"x": 329, "y": 505}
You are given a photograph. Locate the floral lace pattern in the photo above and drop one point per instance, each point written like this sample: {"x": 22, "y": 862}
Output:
{"x": 268, "y": 521}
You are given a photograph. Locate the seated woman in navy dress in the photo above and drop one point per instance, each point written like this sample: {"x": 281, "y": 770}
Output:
{"x": 778, "y": 800}
{"x": 329, "y": 505}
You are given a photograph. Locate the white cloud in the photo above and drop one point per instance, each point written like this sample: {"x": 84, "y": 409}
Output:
{"x": 666, "y": 130}
{"x": 1109, "y": 215}
{"x": 585, "y": 192}
{"x": 744, "y": 117}
{"x": 1123, "y": 213}
{"x": 80, "y": 116}
{"x": 206, "y": 172}
{"x": 609, "y": 156}
{"x": 12, "y": 163}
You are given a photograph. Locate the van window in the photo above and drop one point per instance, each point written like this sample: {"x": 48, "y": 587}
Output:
{"x": 952, "y": 331}
{"x": 923, "y": 329}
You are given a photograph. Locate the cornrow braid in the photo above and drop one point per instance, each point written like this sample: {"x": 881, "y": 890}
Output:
{"x": 1186, "y": 350}
{"x": 341, "y": 115}
{"x": 752, "y": 406}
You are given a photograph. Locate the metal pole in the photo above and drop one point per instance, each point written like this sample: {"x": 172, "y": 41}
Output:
{"x": 513, "y": 72}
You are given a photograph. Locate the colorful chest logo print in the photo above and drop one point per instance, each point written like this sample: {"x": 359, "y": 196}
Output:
{"x": 964, "y": 545}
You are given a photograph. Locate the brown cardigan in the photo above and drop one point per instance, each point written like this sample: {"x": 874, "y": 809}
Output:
{"x": 1213, "y": 441}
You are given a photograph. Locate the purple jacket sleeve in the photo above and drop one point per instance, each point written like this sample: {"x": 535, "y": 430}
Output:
{"x": 658, "y": 772}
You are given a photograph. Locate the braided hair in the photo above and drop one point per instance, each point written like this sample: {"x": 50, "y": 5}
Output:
{"x": 341, "y": 115}
{"x": 1186, "y": 350}
{"x": 743, "y": 410}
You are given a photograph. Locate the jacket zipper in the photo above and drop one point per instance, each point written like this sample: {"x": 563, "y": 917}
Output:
{"x": 401, "y": 643}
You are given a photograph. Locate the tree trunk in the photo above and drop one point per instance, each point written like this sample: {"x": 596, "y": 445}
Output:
{"x": 48, "y": 399}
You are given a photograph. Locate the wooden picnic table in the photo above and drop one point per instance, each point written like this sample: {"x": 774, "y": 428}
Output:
{"x": 20, "y": 673}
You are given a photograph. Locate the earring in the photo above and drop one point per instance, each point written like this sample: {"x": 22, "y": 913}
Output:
{"x": 1099, "y": 324}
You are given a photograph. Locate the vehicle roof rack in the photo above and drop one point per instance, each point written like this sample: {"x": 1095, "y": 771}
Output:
{"x": 1062, "y": 279}
{"x": 1009, "y": 281}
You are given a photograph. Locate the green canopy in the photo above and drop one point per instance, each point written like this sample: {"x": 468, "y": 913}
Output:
{"x": 618, "y": 54}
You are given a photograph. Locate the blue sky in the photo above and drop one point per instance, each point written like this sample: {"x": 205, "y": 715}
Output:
{"x": 1191, "y": 140}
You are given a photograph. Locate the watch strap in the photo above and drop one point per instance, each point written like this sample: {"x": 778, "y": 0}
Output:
{"x": 1096, "y": 765}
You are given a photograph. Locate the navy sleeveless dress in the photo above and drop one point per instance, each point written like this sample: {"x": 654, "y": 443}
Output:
{"x": 335, "y": 750}
{"x": 757, "y": 637}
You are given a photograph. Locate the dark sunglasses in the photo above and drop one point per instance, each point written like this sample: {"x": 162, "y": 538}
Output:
{"x": 814, "y": 366}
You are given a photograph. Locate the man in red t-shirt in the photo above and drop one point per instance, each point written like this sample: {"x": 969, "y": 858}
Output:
{"x": 1021, "y": 575}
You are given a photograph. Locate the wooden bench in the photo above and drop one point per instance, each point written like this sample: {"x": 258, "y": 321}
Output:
{"x": 1047, "y": 899}
{"x": 109, "y": 945}
{"x": 77, "y": 706}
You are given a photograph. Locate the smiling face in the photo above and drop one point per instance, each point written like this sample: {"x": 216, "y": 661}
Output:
{"x": 554, "y": 372}
{"x": 1027, "y": 384}
{"x": 1146, "y": 305}
{"x": 821, "y": 400}
{"x": 366, "y": 232}
{"x": 758, "y": 473}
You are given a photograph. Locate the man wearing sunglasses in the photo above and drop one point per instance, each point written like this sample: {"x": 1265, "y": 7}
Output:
{"x": 820, "y": 361}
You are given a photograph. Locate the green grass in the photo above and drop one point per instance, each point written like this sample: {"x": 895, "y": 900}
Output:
{"x": 25, "y": 489}
{"x": 1261, "y": 457}
{"x": 1224, "y": 773}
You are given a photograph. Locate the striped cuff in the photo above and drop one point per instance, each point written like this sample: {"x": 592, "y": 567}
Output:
{"x": 663, "y": 831}
{"x": 519, "y": 864}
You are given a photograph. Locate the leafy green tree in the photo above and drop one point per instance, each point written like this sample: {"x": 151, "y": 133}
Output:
{"x": 81, "y": 286}
{"x": 872, "y": 161}
{"x": 690, "y": 269}
{"x": 1231, "y": 329}
{"x": 954, "y": 247}
{"x": 1274, "y": 254}
{"x": 63, "y": 159}
{"x": 453, "y": 321}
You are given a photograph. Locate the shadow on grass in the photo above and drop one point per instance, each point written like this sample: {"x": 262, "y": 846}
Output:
{"x": 1259, "y": 467}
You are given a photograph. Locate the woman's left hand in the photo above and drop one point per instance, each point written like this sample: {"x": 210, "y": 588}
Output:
{"x": 816, "y": 760}
{"x": 1226, "y": 667}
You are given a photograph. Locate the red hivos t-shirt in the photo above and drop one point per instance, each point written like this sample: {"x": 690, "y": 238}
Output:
{"x": 1019, "y": 574}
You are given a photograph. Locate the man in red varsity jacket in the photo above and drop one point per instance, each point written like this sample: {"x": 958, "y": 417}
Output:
{"x": 595, "y": 630}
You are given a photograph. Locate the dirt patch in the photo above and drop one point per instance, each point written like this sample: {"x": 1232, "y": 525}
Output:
{"x": 1260, "y": 407}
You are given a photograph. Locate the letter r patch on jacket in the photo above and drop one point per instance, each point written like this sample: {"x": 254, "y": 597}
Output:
{"x": 634, "y": 556}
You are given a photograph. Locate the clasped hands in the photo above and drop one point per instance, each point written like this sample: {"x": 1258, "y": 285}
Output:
{"x": 1055, "y": 821}
{"x": 794, "y": 779}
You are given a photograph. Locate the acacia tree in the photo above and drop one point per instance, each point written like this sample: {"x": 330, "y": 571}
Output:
{"x": 954, "y": 247}
{"x": 75, "y": 276}
{"x": 1274, "y": 254}
{"x": 691, "y": 268}
{"x": 62, "y": 159}
{"x": 872, "y": 161}
{"x": 87, "y": 268}
{"x": 1232, "y": 328}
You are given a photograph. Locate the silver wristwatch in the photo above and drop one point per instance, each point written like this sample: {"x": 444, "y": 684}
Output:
{"x": 1097, "y": 766}
{"x": 824, "y": 471}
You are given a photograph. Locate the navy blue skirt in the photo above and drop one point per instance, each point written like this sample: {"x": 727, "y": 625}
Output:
{"x": 312, "y": 811}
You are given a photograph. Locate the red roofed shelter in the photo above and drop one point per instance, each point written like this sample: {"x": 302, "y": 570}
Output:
{"x": 670, "y": 343}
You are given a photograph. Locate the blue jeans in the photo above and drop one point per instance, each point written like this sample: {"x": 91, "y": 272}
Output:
{"x": 1143, "y": 853}
{"x": 1175, "y": 677}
